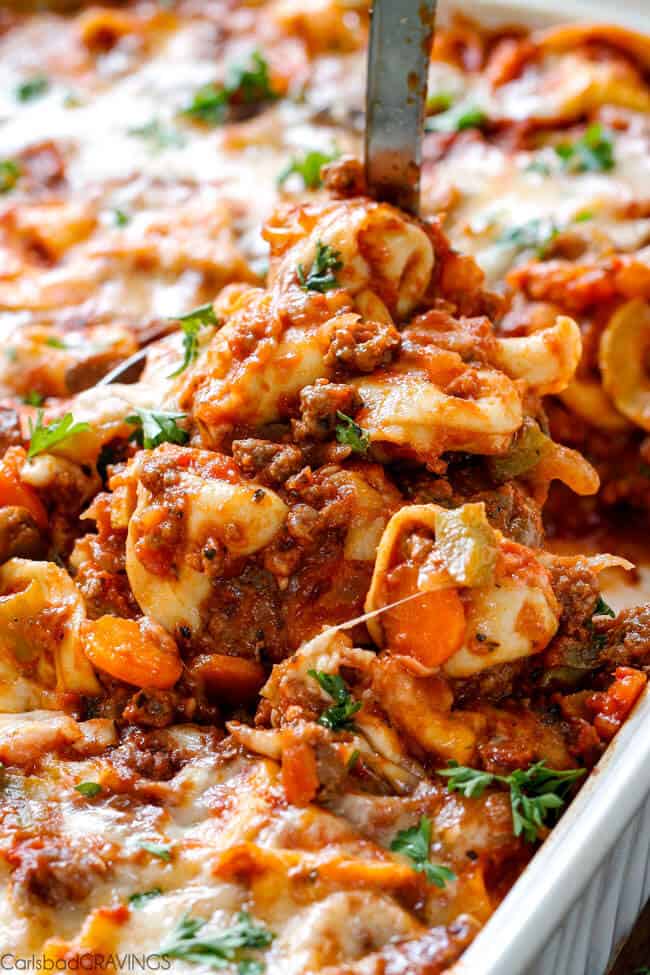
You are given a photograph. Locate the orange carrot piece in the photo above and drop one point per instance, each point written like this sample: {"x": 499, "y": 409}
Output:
{"x": 139, "y": 652}
{"x": 299, "y": 772}
{"x": 430, "y": 628}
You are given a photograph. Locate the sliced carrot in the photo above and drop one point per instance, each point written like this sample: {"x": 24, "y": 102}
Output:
{"x": 139, "y": 652}
{"x": 12, "y": 490}
{"x": 299, "y": 772}
{"x": 234, "y": 679}
{"x": 430, "y": 628}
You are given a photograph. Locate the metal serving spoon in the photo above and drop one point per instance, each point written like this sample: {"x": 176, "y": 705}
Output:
{"x": 401, "y": 35}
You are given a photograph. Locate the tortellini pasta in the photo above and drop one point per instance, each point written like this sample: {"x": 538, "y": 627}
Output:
{"x": 41, "y": 613}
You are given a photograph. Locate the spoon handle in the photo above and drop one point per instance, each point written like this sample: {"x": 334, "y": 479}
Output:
{"x": 401, "y": 35}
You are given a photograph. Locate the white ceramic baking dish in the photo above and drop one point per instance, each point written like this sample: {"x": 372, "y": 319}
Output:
{"x": 582, "y": 892}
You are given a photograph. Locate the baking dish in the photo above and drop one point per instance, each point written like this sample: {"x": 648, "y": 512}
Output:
{"x": 582, "y": 892}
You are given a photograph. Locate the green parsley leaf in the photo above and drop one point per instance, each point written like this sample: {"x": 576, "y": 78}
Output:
{"x": 469, "y": 782}
{"x": 322, "y": 275}
{"x": 88, "y": 789}
{"x": 535, "y": 792}
{"x": 43, "y": 438}
{"x": 154, "y": 428}
{"x": 120, "y": 218}
{"x": 159, "y": 136}
{"x": 535, "y": 234}
{"x": 33, "y": 88}
{"x": 308, "y": 167}
{"x": 415, "y": 843}
{"x": 209, "y": 105}
{"x": 192, "y": 323}
{"x": 160, "y": 850}
{"x": 33, "y": 398}
{"x": 10, "y": 173}
{"x": 245, "y": 84}
{"x": 583, "y": 216}
{"x": 603, "y": 609}
{"x": 351, "y": 434}
{"x": 353, "y": 760}
{"x": 439, "y": 101}
{"x": 139, "y": 900}
{"x": 456, "y": 119}
{"x": 339, "y": 716}
{"x": 218, "y": 950}
{"x": 54, "y": 342}
{"x": 592, "y": 152}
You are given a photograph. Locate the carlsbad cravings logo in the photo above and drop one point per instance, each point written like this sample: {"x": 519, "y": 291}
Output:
{"x": 86, "y": 962}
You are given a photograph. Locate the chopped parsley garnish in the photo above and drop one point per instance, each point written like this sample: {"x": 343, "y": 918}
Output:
{"x": 154, "y": 428}
{"x": 159, "y": 136}
{"x": 351, "y": 434}
{"x": 597, "y": 640}
{"x": 139, "y": 900}
{"x": 54, "y": 342}
{"x": 339, "y": 716}
{"x": 43, "y": 437}
{"x": 120, "y": 218}
{"x": 322, "y": 274}
{"x": 219, "y": 950}
{"x": 456, "y": 119}
{"x": 88, "y": 789}
{"x": 160, "y": 850}
{"x": 415, "y": 843}
{"x": 10, "y": 173}
{"x": 592, "y": 152}
{"x": 583, "y": 216}
{"x": 439, "y": 101}
{"x": 247, "y": 84}
{"x": 535, "y": 234}
{"x": 32, "y": 88}
{"x": 353, "y": 760}
{"x": 192, "y": 323}
{"x": 33, "y": 398}
{"x": 603, "y": 609}
{"x": 308, "y": 167}
{"x": 535, "y": 792}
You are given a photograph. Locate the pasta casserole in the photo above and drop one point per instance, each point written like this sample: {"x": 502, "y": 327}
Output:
{"x": 290, "y": 679}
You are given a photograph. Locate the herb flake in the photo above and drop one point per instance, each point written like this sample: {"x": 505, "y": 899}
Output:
{"x": 187, "y": 942}
{"x": 457, "y": 119}
{"x": 245, "y": 84}
{"x": 415, "y": 844}
{"x": 88, "y": 789}
{"x": 191, "y": 324}
{"x": 43, "y": 438}
{"x": 10, "y": 173}
{"x": 339, "y": 716}
{"x": 535, "y": 793}
{"x": 322, "y": 274}
{"x": 156, "y": 427}
{"x": 139, "y": 900}
{"x": 592, "y": 152}
{"x": 351, "y": 434}
{"x": 33, "y": 88}
{"x": 160, "y": 850}
{"x": 307, "y": 165}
